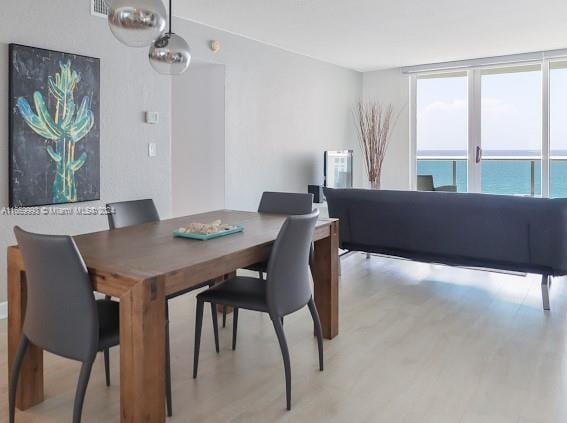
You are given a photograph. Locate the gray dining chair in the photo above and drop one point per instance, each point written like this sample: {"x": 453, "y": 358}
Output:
{"x": 288, "y": 203}
{"x": 127, "y": 213}
{"x": 62, "y": 315}
{"x": 286, "y": 290}
{"x": 137, "y": 212}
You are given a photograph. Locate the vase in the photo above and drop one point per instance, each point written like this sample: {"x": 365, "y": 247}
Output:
{"x": 375, "y": 184}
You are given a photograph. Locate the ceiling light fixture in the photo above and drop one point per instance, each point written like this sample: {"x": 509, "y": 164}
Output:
{"x": 170, "y": 54}
{"x": 137, "y": 23}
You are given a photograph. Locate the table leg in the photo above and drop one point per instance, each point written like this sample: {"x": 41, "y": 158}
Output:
{"x": 30, "y": 384}
{"x": 325, "y": 270}
{"x": 142, "y": 353}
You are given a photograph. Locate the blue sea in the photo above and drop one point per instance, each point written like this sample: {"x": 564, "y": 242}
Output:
{"x": 512, "y": 177}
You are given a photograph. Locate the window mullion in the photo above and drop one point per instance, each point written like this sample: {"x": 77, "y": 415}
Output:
{"x": 545, "y": 153}
{"x": 413, "y": 132}
{"x": 474, "y": 130}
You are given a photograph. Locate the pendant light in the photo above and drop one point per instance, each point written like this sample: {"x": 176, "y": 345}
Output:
{"x": 137, "y": 23}
{"x": 170, "y": 54}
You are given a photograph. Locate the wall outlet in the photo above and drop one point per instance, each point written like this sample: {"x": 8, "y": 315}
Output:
{"x": 152, "y": 149}
{"x": 152, "y": 118}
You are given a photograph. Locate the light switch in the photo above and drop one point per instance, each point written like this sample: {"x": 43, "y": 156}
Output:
{"x": 152, "y": 117}
{"x": 152, "y": 149}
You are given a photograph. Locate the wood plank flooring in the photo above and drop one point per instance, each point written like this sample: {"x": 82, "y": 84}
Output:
{"x": 418, "y": 343}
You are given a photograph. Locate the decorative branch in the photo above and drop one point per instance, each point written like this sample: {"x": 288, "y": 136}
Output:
{"x": 375, "y": 124}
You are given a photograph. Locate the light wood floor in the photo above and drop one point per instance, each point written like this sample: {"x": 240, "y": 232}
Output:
{"x": 418, "y": 343}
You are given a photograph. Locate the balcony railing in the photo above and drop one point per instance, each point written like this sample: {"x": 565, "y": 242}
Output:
{"x": 518, "y": 175}
{"x": 442, "y": 179}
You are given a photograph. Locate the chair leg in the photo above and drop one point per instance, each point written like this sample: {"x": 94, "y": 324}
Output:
{"x": 285, "y": 354}
{"x": 234, "y": 327}
{"x": 318, "y": 330}
{"x": 168, "y": 399}
{"x": 198, "y": 327}
{"x": 81, "y": 390}
{"x": 15, "y": 375}
{"x": 215, "y": 326}
{"x": 107, "y": 365}
{"x": 224, "y": 316}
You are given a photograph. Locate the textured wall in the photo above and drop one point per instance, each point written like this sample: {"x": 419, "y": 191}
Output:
{"x": 197, "y": 140}
{"x": 128, "y": 87}
{"x": 390, "y": 86}
{"x": 282, "y": 111}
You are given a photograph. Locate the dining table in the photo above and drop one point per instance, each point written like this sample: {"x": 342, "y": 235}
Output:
{"x": 144, "y": 264}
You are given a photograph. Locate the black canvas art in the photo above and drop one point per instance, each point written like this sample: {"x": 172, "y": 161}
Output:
{"x": 54, "y": 127}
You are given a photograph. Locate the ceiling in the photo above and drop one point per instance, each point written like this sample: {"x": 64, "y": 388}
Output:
{"x": 378, "y": 34}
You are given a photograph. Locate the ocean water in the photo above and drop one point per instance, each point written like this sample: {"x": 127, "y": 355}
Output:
{"x": 512, "y": 177}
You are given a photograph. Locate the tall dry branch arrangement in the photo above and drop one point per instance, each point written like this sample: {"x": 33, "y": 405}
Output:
{"x": 375, "y": 123}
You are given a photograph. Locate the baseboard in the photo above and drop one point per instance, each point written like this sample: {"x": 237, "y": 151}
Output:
{"x": 4, "y": 310}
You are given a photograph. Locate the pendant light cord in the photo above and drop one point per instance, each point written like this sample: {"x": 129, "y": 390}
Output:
{"x": 170, "y": 17}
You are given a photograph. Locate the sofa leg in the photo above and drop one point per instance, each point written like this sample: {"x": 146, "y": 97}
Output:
{"x": 545, "y": 284}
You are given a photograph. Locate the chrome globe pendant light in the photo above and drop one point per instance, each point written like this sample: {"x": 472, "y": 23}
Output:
{"x": 170, "y": 54}
{"x": 137, "y": 23}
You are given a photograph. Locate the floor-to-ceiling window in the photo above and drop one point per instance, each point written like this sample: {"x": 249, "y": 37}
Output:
{"x": 442, "y": 122}
{"x": 498, "y": 129}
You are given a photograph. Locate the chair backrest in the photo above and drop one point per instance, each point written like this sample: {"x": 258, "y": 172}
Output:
{"x": 288, "y": 287}
{"x": 425, "y": 183}
{"x": 286, "y": 203}
{"x": 128, "y": 213}
{"x": 61, "y": 312}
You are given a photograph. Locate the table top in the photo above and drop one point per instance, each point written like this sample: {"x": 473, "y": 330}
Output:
{"x": 150, "y": 250}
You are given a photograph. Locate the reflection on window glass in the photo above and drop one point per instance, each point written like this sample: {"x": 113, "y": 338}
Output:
{"x": 338, "y": 169}
{"x": 511, "y": 130}
{"x": 558, "y": 130}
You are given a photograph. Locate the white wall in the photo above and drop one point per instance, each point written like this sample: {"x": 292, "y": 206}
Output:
{"x": 282, "y": 111}
{"x": 128, "y": 87}
{"x": 390, "y": 86}
{"x": 198, "y": 144}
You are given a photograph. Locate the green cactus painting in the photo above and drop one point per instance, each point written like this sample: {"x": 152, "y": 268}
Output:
{"x": 61, "y": 118}
{"x": 67, "y": 127}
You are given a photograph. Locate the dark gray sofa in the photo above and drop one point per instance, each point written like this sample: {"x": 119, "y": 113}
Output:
{"x": 491, "y": 231}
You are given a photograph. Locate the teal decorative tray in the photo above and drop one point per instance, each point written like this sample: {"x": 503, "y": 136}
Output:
{"x": 206, "y": 237}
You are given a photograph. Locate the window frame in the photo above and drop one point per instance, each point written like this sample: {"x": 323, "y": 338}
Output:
{"x": 474, "y": 117}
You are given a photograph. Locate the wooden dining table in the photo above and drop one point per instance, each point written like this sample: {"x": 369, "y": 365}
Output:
{"x": 142, "y": 265}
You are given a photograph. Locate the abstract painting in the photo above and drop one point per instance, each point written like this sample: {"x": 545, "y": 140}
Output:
{"x": 54, "y": 127}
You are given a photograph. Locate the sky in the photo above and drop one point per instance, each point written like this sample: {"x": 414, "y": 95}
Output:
{"x": 511, "y": 112}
